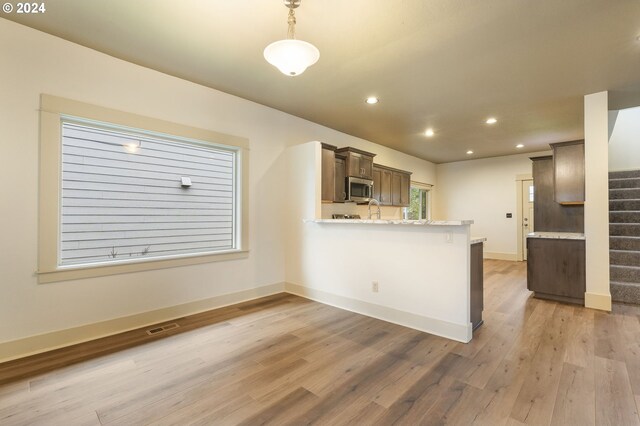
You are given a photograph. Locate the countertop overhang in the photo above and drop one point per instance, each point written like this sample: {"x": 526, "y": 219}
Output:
{"x": 557, "y": 235}
{"x": 393, "y": 222}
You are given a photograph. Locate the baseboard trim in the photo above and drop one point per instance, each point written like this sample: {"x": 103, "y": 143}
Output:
{"x": 58, "y": 339}
{"x": 500, "y": 256}
{"x": 597, "y": 301}
{"x": 435, "y": 326}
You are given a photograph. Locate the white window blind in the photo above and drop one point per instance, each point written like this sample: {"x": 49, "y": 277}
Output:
{"x": 123, "y": 197}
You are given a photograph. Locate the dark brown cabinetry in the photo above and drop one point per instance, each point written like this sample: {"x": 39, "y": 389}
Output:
{"x": 340, "y": 174}
{"x": 477, "y": 285}
{"x": 391, "y": 186}
{"x": 328, "y": 173}
{"x": 556, "y": 269}
{"x": 549, "y": 215}
{"x": 358, "y": 163}
{"x": 568, "y": 172}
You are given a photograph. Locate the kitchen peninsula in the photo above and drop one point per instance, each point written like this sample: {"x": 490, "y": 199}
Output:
{"x": 412, "y": 272}
{"x": 416, "y": 273}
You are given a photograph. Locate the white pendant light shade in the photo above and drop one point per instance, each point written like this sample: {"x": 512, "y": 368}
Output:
{"x": 291, "y": 56}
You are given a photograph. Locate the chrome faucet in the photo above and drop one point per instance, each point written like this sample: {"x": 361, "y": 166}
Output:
{"x": 372, "y": 201}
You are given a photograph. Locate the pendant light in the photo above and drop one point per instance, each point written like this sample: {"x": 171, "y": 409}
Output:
{"x": 291, "y": 56}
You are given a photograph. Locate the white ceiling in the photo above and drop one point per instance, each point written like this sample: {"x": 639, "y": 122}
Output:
{"x": 446, "y": 64}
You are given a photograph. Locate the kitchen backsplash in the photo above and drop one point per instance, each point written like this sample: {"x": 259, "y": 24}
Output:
{"x": 386, "y": 212}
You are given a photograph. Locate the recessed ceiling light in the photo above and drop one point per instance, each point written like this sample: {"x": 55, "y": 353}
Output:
{"x": 469, "y": 152}
{"x": 371, "y": 100}
{"x": 429, "y": 133}
{"x": 519, "y": 146}
{"x": 491, "y": 121}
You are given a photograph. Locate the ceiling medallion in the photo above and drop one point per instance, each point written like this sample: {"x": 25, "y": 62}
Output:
{"x": 292, "y": 57}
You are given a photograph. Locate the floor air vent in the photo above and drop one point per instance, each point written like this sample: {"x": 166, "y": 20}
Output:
{"x": 162, "y": 329}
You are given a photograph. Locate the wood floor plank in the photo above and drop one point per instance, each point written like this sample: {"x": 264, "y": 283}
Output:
{"x": 287, "y": 360}
{"x": 615, "y": 404}
{"x": 367, "y": 415}
{"x": 580, "y": 339}
{"x": 283, "y": 410}
{"x": 412, "y": 404}
{"x": 537, "y": 397}
{"x": 575, "y": 401}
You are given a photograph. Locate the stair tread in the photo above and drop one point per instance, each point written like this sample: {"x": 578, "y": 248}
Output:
{"x": 626, "y": 283}
{"x": 625, "y": 236}
{"x": 626, "y": 266}
{"x": 624, "y": 251}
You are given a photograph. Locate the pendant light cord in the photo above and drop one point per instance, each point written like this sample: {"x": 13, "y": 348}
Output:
{"x": 291, "y": 20}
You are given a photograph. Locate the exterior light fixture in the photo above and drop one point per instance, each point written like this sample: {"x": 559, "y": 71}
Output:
{"x": 132, "y": 147}
{"x": 292, "y": 57}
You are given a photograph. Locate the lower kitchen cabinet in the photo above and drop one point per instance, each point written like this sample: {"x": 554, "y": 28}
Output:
{"x": 556, "y": 269}
{"x": 477, "y": 285}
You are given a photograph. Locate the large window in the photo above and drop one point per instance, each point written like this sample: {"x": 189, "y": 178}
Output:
{"x": 419, "y": 202}
{"x": 122, "y": 193}
{"x": 129, "y": 196}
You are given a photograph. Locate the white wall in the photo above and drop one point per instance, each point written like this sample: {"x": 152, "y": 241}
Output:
{"x": 484, "y": 190}
{"x": 624, "y": 141}
{"x": 596, "y": 204}
{"x": 35, "y": 63}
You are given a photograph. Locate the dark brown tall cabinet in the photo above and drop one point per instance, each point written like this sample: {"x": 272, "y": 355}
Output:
{"x": 556, "y": 252}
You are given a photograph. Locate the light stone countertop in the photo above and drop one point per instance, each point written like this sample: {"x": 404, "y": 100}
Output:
{"x": 557, "y": 235}
{"x": 475, "y": 240}
{"x": 393, "y": 222}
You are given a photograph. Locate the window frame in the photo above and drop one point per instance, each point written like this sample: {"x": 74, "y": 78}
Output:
{"x": 53, "y": 111}
{"x": 427, "y": 188}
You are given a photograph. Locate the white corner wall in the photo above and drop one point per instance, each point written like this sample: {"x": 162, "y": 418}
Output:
{"x": 624, "y": 141}
{"x": 36, "y": 63}
{"x": 484, "y": 190}
{"x": 596, "y": 205}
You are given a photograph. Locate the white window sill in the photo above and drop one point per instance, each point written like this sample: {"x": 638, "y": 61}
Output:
{"x": 76, "y": 272}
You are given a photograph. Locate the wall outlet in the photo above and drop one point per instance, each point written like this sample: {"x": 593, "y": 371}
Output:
{"x": 374, "y": 286}
{"x": 449, "y": 237}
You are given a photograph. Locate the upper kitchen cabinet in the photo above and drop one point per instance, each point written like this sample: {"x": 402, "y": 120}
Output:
{"x": 340, "y": 175}
{"x": 400, "y": 188}
{"x": 551, "y": 216}
{"x": 568, "y": 172}
{"x": 328, "y": 173}
{"x": 358, "y": 163}
{"x": 391, "y": 186}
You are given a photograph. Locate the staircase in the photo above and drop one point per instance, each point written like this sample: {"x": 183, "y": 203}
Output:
{"x": 624, "y": 236}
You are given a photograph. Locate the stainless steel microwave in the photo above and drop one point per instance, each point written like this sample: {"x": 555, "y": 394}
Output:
{"x": 359, "y": 190}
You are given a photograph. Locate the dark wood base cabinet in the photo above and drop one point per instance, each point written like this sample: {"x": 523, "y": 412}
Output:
{"x": 477, "y": 299}
{"x": 556, "y": 269}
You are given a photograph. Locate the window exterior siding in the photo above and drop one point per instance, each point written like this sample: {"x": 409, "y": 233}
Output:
{"x": 119, "y": 205}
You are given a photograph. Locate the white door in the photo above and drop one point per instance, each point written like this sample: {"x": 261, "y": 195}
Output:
{"x": 527, "y": 213}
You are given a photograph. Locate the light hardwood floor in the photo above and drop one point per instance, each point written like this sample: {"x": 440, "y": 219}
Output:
{"x": 287, "y": 360}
